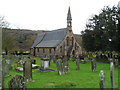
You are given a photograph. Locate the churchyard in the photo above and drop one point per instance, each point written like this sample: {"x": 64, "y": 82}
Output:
{"x": 59, "y": 72}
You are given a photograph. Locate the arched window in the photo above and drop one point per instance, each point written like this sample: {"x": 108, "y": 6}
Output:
{"x": 43, "y": 50}
{"x": 72, "y": 41}
{"x": 49, "y": 50}
{"x": 75, "y": 46}
{"x": 61, "y": 49}
{"x": 37, "y": 49}
{"x": 67, "y": 41}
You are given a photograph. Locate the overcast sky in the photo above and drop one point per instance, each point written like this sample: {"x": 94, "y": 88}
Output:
{"x": 51, "y": 14}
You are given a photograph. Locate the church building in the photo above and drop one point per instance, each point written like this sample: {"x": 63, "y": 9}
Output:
{"x": 57, "y": 42}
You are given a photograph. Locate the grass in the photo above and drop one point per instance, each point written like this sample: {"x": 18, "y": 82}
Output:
{"x": 83, "y": 78}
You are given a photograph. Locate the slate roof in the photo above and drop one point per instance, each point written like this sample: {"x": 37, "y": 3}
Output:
{"x": 38, "y": 39}
{"x": 50, "y": 39}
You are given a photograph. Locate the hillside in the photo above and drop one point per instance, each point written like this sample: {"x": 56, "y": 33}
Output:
{"x": 22, "y": 39}
{"x": 16, "y": 39}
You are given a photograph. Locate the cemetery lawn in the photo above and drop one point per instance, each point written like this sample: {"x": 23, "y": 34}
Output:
{"x": 83, "y": 78}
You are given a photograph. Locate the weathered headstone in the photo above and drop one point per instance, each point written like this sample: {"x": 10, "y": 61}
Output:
{"x": 20, "y": 63}
{"x": 17, "y": 82}
{"x": 1, "y": 75}
{"x": 2, "y": 81}
{"x": 60, "y": 67}
{"x": 116, "y": 60}
{"x": 77, "y": 63}
{"x": 66, "y": 65}
{"x": 44, "y": 63}
{"x": 5, "y": 67}
{"x": 93, "y": 65}
{"x": 33, "y": 61}
{"x": 112, "y": 75}
{"x": 102, "y": 80}
{"x": 27, "y": 70}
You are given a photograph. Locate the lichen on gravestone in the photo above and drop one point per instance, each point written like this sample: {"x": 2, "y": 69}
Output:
{"x": 27, "y": 70}
{"x": 102, "y": 80}
{"x": 112, "y": 75}
{"x": 17, "y": 82}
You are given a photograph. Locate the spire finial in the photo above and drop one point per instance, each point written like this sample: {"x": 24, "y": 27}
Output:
{"x": 69, "y": 3}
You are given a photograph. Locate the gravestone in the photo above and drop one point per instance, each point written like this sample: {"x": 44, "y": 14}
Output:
{"x": 33, "y": 61}
{"x": 54, "y": 59}
{"x": 102, "y": 80}
{"x": 5, "y": 67}
{"x": 1, "y": 75}
{"x": 93, "y": 65}
{"x": 20, "y": 63}
{"x": 2, "y": 81}
{"x": 17, "y": 82}
{"x": 77, "y": 63}
{"x": 60, "y": 67}
{"x": 116, "y": 61}
{"x": 112, "y": 75}
{"x": 44, "y": 63}
{"x": 27, "y": 70}
{"x": 66, "y": 65}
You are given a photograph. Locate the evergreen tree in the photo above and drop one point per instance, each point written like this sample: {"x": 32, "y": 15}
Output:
{"x": 101, "y": 31}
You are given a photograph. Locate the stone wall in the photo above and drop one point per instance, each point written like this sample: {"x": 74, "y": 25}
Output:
{"x": 62, "y": 48}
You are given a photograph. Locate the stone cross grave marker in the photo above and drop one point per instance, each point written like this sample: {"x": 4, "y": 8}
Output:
{"x": 112, "y": 75}
{"x": 17, "y": 82}
{"x": 102, "y": 80}
{"x": 93, "y": 65}
{"x": 27, "y": 70}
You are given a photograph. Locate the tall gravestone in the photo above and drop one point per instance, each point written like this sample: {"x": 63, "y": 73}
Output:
{"x": 116, "y": 60}
{"x": 5, "y": 67}
{"x": 27, "y": 70}
{"x": 18, "y": 82}
{"x": 93, "y": 65}
{"x": 66, "y": 65}
{"x": 45, "y": 63}
{"x": 1, "y": 75}
{"x": 112, "y": 75}
{"x": 2, "y": 81}
{"x": 59, "y": 66}
{"x": 0, "y": 57}
{"x": 77, "y": 63}
{"x": 62, "y": 65}
{"x": 102, "y": 80}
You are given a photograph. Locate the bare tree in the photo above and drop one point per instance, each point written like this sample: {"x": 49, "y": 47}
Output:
{"x": 8, "y": 40}
{"x": 3, "y": 22}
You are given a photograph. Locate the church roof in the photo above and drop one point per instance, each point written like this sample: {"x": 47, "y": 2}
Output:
{"x": 50, "y": 39}
{"x": 38, "y": 39}
{"x": 69, "y": 17}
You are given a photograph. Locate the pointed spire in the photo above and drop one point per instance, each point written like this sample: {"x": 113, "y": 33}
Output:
{"x": 69, "y": 14}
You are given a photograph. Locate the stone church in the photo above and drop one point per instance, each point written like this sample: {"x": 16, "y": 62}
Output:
{"x": 57, "y": 42}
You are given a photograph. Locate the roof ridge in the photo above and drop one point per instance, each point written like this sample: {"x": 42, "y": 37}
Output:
{"x": 42, "y": 38}
{"x": 58, "y": 29}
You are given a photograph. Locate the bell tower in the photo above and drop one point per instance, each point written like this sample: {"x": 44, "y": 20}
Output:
{"x": 69, "y": 20}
